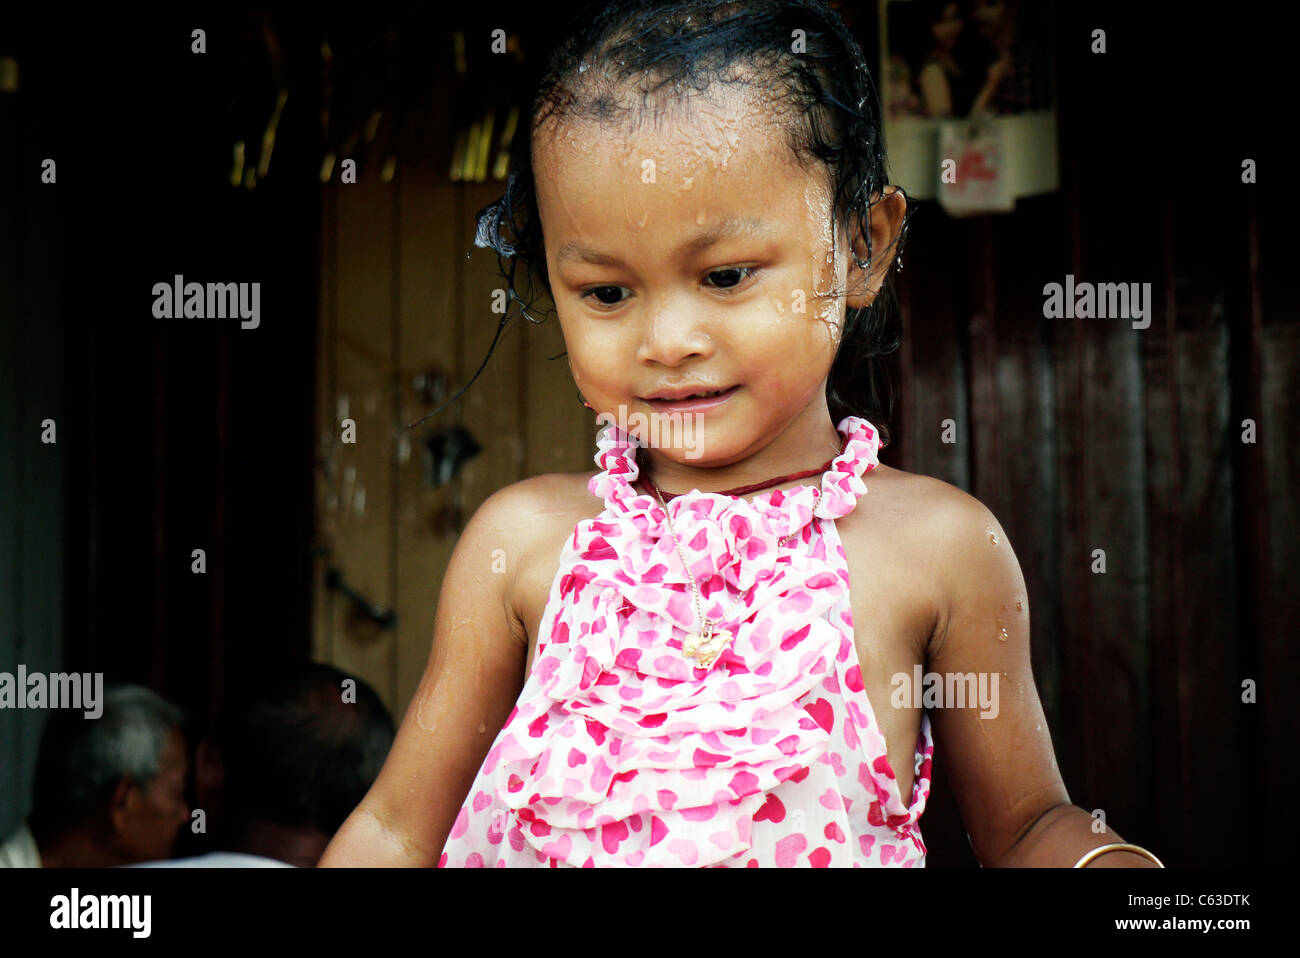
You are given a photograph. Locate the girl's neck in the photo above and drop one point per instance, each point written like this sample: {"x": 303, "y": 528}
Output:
{"x": 799, "y": 447}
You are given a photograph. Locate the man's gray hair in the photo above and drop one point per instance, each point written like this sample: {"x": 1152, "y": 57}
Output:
{"x": 81, "y": 760}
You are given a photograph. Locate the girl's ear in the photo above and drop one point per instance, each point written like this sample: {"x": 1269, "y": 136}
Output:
{"x": 887, "y": 211}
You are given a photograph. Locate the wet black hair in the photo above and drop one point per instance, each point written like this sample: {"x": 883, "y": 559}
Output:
{"x": 676, "y": 46}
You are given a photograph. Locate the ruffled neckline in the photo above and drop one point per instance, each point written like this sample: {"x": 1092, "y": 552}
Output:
{"x": 736, "y": 543}
{"x": 834, "y": 496}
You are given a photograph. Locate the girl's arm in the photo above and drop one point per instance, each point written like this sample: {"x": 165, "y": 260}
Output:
{"x": 1003, "y": 768}
{"x": 472, "y": 681}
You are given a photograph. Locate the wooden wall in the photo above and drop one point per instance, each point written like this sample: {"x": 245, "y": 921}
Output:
{"x": 1086, "y": 434}
{"x": 399, "y": 297}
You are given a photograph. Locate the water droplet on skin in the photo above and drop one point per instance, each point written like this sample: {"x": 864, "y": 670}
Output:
{"x": 993, "y": 538}
{"x": 1019, "y": 605}
{"x": 1002, "y": 636}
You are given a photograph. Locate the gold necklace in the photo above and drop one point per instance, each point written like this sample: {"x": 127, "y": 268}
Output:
{"x": 706, "y": 645}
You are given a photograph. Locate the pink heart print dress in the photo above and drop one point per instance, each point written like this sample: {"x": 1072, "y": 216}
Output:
{"x": 621, "y": 751}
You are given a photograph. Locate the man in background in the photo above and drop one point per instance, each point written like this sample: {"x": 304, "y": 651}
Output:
{"x": 107, "y": 791}
{"x": 289, "y": 762}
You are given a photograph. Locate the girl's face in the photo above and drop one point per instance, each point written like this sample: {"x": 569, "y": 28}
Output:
{"x": 688, "y": 258}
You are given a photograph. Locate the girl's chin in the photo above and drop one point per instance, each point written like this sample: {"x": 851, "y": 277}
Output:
{"x": 704, "y": 448}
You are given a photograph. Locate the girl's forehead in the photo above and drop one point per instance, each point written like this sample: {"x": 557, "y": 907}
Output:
{"x": 728, "y": 151}
{"x": 702, "y": 131}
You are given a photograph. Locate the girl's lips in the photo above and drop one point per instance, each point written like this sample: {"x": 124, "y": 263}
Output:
{"x": 691, "y": 405}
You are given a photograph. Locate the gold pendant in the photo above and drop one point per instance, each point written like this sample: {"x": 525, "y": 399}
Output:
{"x": 705, "y": 648}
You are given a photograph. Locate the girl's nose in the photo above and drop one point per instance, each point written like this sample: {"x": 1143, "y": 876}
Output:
{"x": 672, "y": 335}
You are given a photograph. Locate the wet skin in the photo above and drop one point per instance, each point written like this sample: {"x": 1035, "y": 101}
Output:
{"x": 643, "y": 309}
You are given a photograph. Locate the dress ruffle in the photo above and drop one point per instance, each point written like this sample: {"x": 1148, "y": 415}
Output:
{"x": 620, "y": 740}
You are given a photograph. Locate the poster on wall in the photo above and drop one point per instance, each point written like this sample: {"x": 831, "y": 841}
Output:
{"x": 969, "y": 99}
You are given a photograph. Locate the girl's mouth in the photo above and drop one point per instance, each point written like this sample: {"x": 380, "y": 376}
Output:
{"x": 697, "y": 402}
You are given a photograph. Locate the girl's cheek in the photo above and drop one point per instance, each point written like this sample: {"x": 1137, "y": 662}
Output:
{"x": 593, "y": 365}
{"x": 595, "y": 348}
{"x": 783, "y": 308}
{"x": 581, "y": 342}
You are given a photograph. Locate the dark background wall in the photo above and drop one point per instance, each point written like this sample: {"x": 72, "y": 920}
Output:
{"x": 1078, "y": 434}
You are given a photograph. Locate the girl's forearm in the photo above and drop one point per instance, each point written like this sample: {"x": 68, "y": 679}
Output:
{"x": 365, "y": 842}
{"x": 1064, "y": 835}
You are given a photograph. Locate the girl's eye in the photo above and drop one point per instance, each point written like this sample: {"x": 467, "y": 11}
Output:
{"x": 733, "y": 276}
{"x": 732, "y": 271}
{"x": 599, "y": 289}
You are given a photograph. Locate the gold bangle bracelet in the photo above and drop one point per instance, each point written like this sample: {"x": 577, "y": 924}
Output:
{"x": 1117, "y": 847}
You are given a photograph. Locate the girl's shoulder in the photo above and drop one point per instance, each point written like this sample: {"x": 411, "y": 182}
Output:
{"x": 536, "y": 507}
{"x": 534, "y": 518}
{"x": 928, "y": 518}
{"x": 917, "y": 512}
{"x": 918, "y": 492}
{"x": 552, "y": 489}
{"x": 909, "y": 494}
{"x": 927, "y": 542}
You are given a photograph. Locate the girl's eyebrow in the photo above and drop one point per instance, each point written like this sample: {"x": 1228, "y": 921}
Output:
{"x": 727, "y": 226}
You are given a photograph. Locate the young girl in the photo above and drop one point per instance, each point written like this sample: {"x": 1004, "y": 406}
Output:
{"x": 719, "y": 670}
